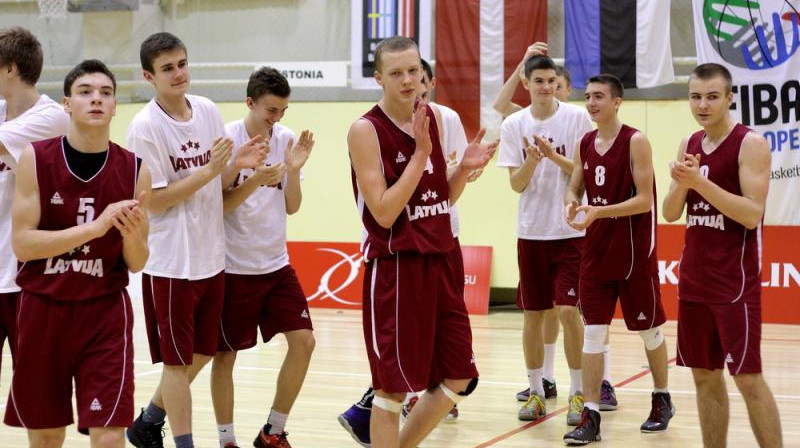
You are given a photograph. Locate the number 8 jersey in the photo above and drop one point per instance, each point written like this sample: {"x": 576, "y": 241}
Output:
{"x": 616, "y": 248}
{"x": 97, "y": 267}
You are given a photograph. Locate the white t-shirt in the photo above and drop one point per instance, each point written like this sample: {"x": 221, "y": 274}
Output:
{"x": 255, "y": 231}
{"x": 455, "y": 139}
{"x": 187, "y": 240}
{"x": 541, "y": 204}
{"x": 46, "y": 119}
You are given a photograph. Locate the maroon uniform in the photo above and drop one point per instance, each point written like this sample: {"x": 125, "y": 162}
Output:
{"x": 75, "y": 318}
{"x": 618, "y": 256}
{"x": 720, "y": 271}
{"x": 416, "y": 326}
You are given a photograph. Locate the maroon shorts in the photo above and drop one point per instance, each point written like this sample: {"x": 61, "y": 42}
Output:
{"x": 8, "y": 322}
{"x": 89, "y": 341}
{"x": 455, "y": 264}
{"x": 639, "y": 298}
{"x": 712, "y": 335}
{"x": 182, "y": 317}
{"x": 416, "y": 326}
{"x": 548, "y": 273}
{"x": 273, "y": 302}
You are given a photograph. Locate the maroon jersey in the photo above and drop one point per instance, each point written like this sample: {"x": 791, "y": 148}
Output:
{"x": 93, "y": 269}
{"x": 721, "y": 260}
{"x": 424, "y": 225}
{"x": 615, "y": 248}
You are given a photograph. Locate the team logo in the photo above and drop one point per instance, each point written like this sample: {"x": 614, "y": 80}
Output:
{"x": 755, "y": 35}
{"x": 400, "y": 158}
{"x": 571, "y": 292}
{"x": 351, "y": 264}
{"x": 641, "y": 317}
{"x": 95, "y": 406}
{"x": 729, "y": 359}
{"x": 56, "y": 199}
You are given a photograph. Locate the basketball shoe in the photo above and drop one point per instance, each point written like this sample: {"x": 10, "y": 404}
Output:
{"x": 533, "y": 409}
{"x": 143, "y": 434}
{"x": 575, "y": 409}
{"x": 588, "y": 429}
{"x": 550, "y": 391}
{"x": 356, "y": 419}
{"x": 661, "y": 411}
{"x": 608, "y": 398}
{"x": 267, "y": 440}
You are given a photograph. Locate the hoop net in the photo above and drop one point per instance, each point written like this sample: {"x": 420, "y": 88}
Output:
{"x": 52, "y": 9}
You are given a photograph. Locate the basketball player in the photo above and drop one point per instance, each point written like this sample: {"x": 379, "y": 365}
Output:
{"x": 415, "y": 324}
{"x": 454, "y": 140}
{"x": 537, "y": 146}
{"x": 550, "y": 325}
{"x": 182, "y": 140}
{"x": 614, "y": 166}
{"x": 261, "y": 287}
{"x": 79, "y": 224}
{"x": 25, "y": 116}
{"x": 721, "y": 177}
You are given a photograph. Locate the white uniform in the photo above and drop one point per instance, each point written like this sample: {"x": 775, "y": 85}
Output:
{"x": 541, "y": 204}
{"x": 44, "y": 120}
{"x": 255, "y": 232}
{"x": 187, "y": 240}
{"x": 455, "y": 139}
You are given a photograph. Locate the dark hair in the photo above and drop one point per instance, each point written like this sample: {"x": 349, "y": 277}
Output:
{"x": 392, "y": 45}
{"x": 157, "y": 44}
{"x": 267, "y": 80}
{"x": 563, "y": 71}
{"x": 613, "y": 83}
{"x": 539, "y": 63}
{"x": 427, "y": 68}
{"x": 20, "y": 47}
{"x": 87, "y": 67}
{"x": 712, "y": 70}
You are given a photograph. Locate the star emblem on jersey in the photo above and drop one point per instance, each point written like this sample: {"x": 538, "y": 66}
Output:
{"x": 599, "y": 200}
{"x": 429, "y": 195}
{"x": 701, "y": 206}
{"x": 190, "y": 145}
{"x": 85, "y": 249}
{"x": 400, "y": 158}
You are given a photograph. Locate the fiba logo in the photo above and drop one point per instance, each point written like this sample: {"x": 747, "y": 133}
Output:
{"x": 352, "y": 265}
{"x": 751, "y": 34}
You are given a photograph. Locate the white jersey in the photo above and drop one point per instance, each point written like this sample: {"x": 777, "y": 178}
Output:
{"x": 455, "y": 139}
{"x": 541, "y": 204}
{"x": 255, "y": 231}
{"x": 187, "y": 240}
{"x": 46, "y": 119}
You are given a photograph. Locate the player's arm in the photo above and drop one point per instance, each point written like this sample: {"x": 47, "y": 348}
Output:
{"x": 520, "y": 177}
{"x": 576, "y": 187}
{"x": 296, "y": 156}
{"x": 642, "y": 201}
{"x": 386, "y": 203}
{"x": 754, "y": 166}
{"x": 249, "y": 155}
{"x": 457, "y": 187}
{"x": 563, "y": 162}
{"x": 134, "y": 226}
{"x": 476, "y": 156}
{"x": 503, "y": 103}
{"x": 45, "y": 123}
{"x": 176, "y": 192}
{"x": 675, "y": 200}
{"x": 30, "y": 243}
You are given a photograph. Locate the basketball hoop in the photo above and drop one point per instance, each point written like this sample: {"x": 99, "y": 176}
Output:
{"x": 52, "y": 9}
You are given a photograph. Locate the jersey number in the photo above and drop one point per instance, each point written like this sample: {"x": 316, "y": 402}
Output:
{"x": 599, "y": 175}
{"x": 86, "y": 210}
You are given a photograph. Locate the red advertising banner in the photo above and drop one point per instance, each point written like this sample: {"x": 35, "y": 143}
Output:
{"x": 332, "y": 274}
{"x": 780, "y": 297}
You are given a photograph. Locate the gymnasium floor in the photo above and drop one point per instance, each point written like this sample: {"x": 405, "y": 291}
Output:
{"x": 339, "y": 374}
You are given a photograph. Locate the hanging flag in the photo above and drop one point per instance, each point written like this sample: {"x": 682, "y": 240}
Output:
{"x": 478, "y": 45}
{"x": 759, "y": 42}
{"x": 627, "y": 38}
{"x": 375, "y": 20}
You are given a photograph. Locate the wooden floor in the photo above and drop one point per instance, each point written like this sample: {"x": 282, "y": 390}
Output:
{"x": 339, "y": 374}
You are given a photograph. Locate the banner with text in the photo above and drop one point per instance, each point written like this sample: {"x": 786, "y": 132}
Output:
{"x": 332, "y": 274}
{"x": 375, "y": 20}
{"x": 758, "y": 42}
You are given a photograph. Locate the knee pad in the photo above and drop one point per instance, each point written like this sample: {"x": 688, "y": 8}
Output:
{"x": 652, "y": 338}
{"x": 387, "y": 404}
{"x": 457, "y": 397}
{"x": 594, "y": 338}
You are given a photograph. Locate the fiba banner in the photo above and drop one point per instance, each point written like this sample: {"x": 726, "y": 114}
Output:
{"x": 375, "y": 20}
{"x": 478, "y": 45}
{"x": 332, "y": 274}
{"x": 627, "y": 38}
{"x": 758, "y": 42}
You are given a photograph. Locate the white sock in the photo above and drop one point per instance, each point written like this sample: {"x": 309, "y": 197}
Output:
{"x": 276, "y": 421}
{"x": 549, "y": 362}
{"x": 226, "y": 435}
{"x": 575, "y": 381}
{"x": 606, "y": 365}
{"x": 535, "y": 381}
{"x": 591, "y": 405}
{"x": 661, "y": 391}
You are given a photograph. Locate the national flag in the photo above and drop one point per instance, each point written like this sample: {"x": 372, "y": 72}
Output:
{"x": 627, "y": 38}
{"x": 478, "y": 45}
